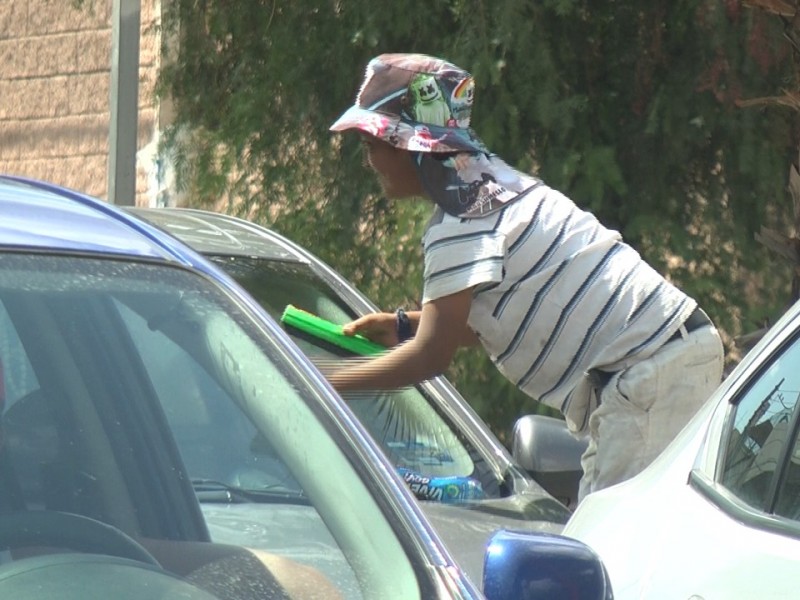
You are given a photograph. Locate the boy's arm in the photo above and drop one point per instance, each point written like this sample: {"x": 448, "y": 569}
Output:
{"x": 441, "y": 329}
{"x": 381, "y": 328}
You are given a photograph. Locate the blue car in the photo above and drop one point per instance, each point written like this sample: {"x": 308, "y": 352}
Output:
{"x": 141, "y": 385}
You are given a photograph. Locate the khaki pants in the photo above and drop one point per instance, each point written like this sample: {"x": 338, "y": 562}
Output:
{"x": 642, "y": 408}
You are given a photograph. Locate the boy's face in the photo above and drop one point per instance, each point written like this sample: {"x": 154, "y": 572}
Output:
{"x": 394, "y": 168}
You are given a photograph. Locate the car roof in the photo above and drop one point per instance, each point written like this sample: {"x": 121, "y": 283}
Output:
{"x": 216, "y": 233}
{"x": 40, "y": 215}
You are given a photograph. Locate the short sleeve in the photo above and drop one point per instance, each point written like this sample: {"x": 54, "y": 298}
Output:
{"x": 460, "y": 255}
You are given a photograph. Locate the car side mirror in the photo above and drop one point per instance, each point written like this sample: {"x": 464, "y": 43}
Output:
{"x": 551, "y": 454}
{"x": 542, "y": 566}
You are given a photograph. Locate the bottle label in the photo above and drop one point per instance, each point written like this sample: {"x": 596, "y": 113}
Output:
{"x": 442, "y": 489}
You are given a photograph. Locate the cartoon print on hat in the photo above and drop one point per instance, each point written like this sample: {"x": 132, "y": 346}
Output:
{"x": 461, "y": 102}
{"x": 427, "y": 103}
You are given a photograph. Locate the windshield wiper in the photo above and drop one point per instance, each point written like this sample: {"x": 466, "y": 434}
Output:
{"x": 212, "y": 491}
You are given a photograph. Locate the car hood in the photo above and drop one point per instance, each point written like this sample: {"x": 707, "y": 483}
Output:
{"x": 466, "y": 528}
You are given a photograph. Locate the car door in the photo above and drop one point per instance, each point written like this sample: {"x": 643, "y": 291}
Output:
{"x": 735, "y": 533}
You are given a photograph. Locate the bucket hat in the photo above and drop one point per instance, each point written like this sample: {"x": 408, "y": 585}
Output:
{"x": 415, "y": 102}
{"x": 423, "y": 104}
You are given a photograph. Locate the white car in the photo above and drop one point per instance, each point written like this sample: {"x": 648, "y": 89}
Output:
{"x": 717, "y": 515}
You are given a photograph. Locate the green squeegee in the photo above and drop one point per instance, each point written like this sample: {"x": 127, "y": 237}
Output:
{"x": 329, "y": 332}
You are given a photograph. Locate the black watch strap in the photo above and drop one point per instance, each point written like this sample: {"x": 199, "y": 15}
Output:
{"x": 404, "y": 331}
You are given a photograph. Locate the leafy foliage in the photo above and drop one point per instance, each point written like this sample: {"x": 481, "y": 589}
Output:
{"x": 630, "y": 107}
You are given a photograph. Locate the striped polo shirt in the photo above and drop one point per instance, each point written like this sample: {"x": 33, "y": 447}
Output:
{"x": 556, "y": 295}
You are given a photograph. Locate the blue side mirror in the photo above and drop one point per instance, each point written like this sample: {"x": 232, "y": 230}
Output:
{"x": 542, "y": 566}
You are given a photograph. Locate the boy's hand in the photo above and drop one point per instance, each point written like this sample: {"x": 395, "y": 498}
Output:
{"x": 380, "y": 328}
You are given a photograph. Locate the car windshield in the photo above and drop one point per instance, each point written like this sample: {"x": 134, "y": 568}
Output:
{"x": 412, "y": 431}
{"x": 125, "y": 383}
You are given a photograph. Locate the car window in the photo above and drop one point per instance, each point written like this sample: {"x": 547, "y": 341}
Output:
{"x": 788, "y": 500}
{"x": 763, "y": 438}
{"x": 19, "y": 394}
{"x": 219, "y": 442}
{"x": 132, "y": 383}
{"x": 18, "y": 378}
{"x": 413, "y": 433}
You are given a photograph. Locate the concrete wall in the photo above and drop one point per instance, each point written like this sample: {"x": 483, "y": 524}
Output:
{"x": 55, "y": 63}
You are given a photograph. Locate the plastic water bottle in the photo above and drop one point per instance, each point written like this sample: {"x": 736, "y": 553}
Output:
{"x": 442, "y": 489}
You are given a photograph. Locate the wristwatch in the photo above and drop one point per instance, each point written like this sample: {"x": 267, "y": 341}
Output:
{"x": 404, "y": 331}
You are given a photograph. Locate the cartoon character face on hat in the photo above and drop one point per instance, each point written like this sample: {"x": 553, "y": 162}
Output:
{"x": 427, "y": 103}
